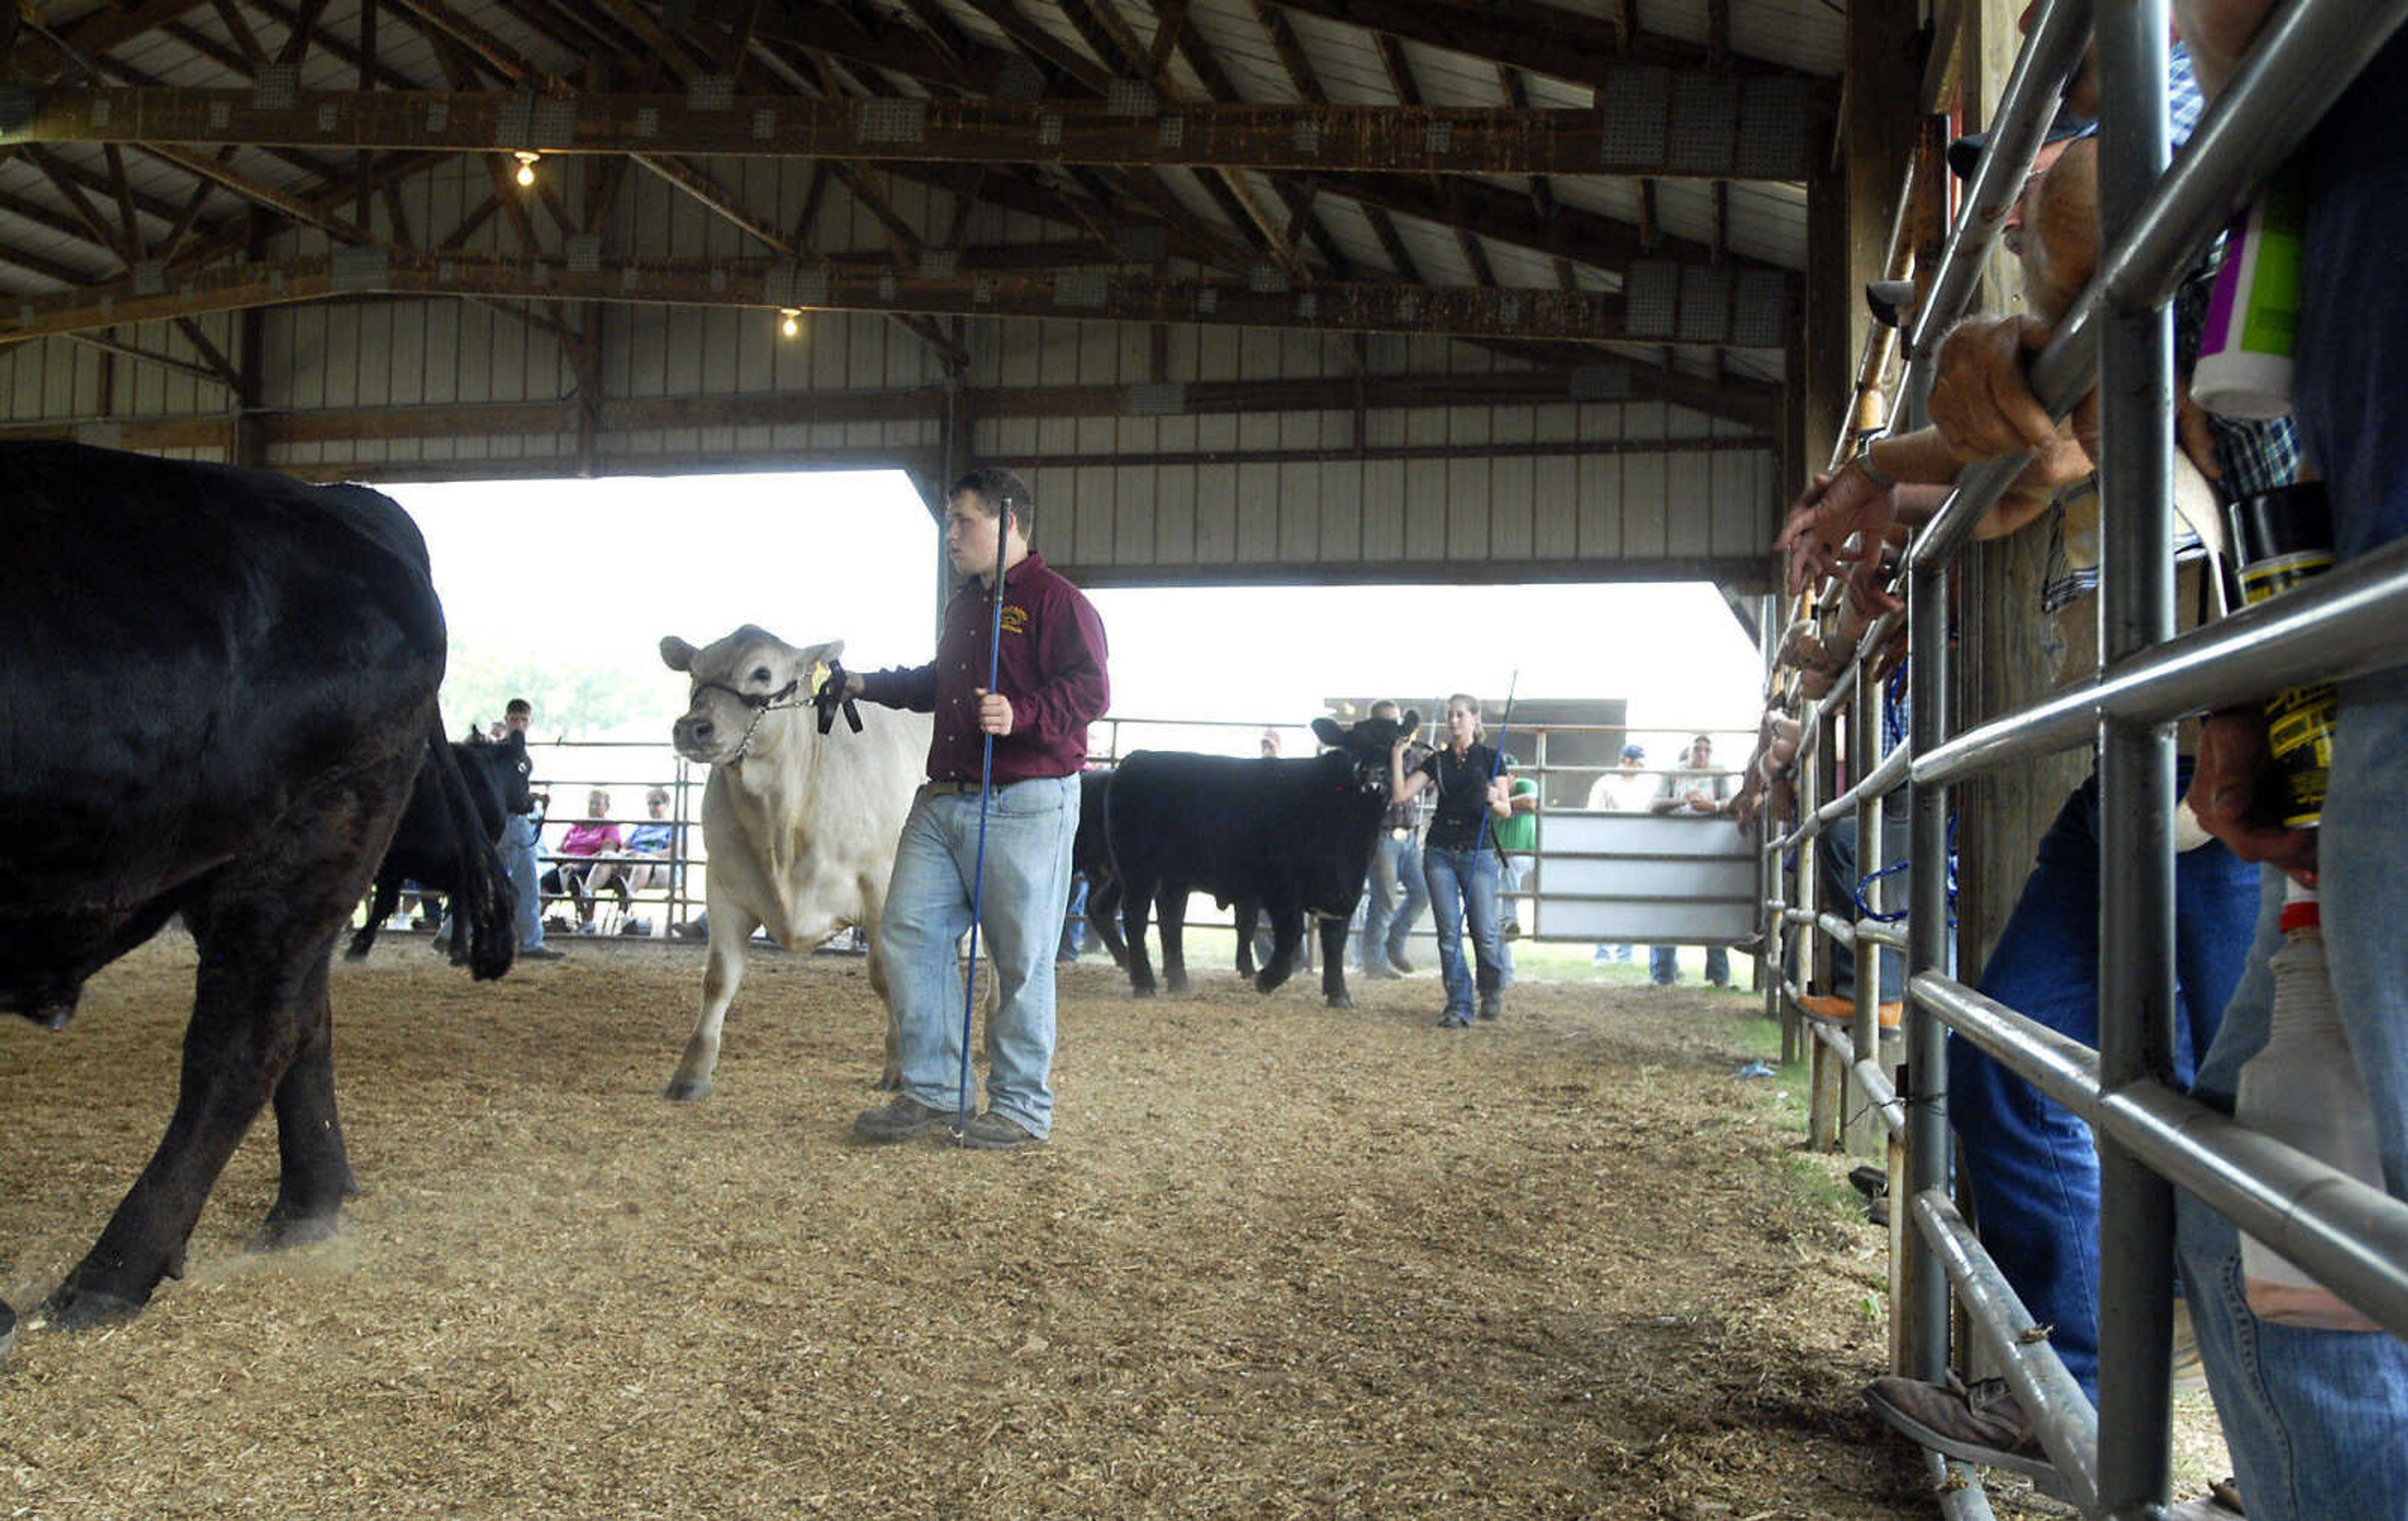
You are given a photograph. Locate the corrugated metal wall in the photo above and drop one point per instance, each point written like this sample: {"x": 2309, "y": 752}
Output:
{"x": 1139, "y": 476}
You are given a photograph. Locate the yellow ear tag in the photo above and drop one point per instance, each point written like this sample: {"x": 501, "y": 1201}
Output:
{"x": 819, "y": 676}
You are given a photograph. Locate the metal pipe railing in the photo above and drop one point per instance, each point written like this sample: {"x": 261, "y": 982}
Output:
{"x": 2352, "y": 1236}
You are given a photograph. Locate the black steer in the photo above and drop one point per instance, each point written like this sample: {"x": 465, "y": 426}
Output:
{"x": 1294, "y": 835}
{"x": 219, "y": 684}
{"x": 428, "y": 846}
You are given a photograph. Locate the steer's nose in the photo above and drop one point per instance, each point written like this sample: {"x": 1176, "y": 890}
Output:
{"x": 692, "y": 730}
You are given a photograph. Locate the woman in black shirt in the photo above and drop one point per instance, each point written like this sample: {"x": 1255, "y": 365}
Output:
{"x": 1459, "y": 858}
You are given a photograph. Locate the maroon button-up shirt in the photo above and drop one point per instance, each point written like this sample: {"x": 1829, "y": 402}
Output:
{"x": 1051, "y": 668}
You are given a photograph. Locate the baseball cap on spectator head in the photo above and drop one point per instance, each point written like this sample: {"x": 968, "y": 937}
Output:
{"x": 1965, "y": 153}
{"x": 1634, "y": 752}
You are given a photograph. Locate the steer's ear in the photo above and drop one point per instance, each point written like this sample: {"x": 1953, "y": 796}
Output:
{"x": 1328, "y": 730}
{"x": 676, "y": 653}
{"x": 812, "y": 656}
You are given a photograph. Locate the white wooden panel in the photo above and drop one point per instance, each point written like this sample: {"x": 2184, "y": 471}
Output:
{"x": 1258, "y": 511}
{"x": 1383, "y": 509}
{"x": 1216, "y": 512}
{"x": 1511, "y": 479}
{"x": 1689, "y": 504}
{"x": 1337, "y": 491}
{"x": 1298, "y": 487}
{"x": 1136, "y": 502}
{"x": 1426, "y": 490}
{"x": 1555, "y": 491}
{"x": 1642, "y": 506}
{"x": 1600, "y": 508}
{"x": 1174, "y": 534}
{"x": 1468, "y": 509}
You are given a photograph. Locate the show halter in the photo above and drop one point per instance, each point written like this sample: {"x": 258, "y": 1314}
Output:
{"x": 987, "y": 791}
{"x": 763, "y": 704}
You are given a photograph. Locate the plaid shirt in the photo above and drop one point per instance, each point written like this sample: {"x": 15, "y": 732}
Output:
{"x": 1413, "y": 812}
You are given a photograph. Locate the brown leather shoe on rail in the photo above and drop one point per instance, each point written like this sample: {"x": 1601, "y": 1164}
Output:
{"x": 1983, "y": 1423}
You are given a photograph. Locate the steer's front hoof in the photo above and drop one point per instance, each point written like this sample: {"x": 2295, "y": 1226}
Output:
{"x": 279, "y": 1232}
{"x": 1340, "y": 1000}
{"x": 7, "y": 1329}
{"x": 73, "y": 1308}
{"x": 687, "y": 1090}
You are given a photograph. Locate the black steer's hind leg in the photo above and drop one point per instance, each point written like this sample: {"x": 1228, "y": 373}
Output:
{"x": 1170, "y": 922}
{"x": 315, "y": 1171}
{"x": 1287, "y": 932}
{"x": 1133, "y": 910}
{"x": 263, "y": 925}
{"x": 1333, "y": 965}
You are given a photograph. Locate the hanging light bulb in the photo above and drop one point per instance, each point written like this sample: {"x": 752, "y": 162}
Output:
{"x": 526, "y": 157}
{"x": 793, "y": 322}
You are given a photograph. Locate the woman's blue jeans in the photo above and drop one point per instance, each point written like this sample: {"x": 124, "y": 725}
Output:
{"x": 2032, "y": 1165}
{"x": 1463, "y": 887}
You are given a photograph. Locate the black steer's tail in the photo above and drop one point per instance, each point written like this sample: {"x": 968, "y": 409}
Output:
{"x": 482, "y": 910}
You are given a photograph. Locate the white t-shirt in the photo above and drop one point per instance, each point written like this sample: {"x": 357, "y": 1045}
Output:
{"x": 1622, "y": 794}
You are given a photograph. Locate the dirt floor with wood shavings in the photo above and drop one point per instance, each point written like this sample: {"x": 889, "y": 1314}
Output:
{"x": 1280, "y": 1261}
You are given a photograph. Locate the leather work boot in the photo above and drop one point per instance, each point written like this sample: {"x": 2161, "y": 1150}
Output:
{"x": 901, "y": 1118}
{"x": 1983, "y": 1423}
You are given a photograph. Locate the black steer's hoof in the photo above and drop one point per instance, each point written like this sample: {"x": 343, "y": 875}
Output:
{"x": 7, "y": 1329}
{"x": 355, "y": 951}
{"x": 1340, "y": 1000}
{"x": 1268, "y": 982}
{"x": 71, "y": 1308}
{"x": 683, "y": 1090}
{"x": 279, "y": 1233}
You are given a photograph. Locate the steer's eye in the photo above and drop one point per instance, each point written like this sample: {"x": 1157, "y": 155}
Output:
{"x": 761, "y": 673}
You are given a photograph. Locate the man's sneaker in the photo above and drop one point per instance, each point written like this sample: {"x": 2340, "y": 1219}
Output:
{"x": 1382, "y": 972}
{"x": 1403, "y": 967}
{"x": 1983, "y": 1423}
{"x": 902, "y": 1118}
{"x": 994, "y": 1132}
{"x": 1513, "y": 930}
{"x": 1492, "y": 1006}
{"x": 540, "y": 952}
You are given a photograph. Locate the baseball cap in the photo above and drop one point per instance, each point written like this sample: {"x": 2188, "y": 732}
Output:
{"x": 1634, "y": 752}
{"x": 1965, "y": 151}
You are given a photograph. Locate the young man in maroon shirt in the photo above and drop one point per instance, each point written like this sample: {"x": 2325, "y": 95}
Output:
{"x": 1050, "y": 685}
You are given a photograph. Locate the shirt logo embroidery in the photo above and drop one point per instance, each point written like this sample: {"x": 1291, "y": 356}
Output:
{"x": 1015, "y": 619}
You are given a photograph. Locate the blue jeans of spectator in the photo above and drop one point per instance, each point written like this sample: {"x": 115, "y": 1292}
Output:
{"x": 1029, "y": 831}
{"x": 520, "y": 836}
{"x": 1462, "y": 891}
{"x": 1395, "y": 894}
{"x": 1664, "y": 966}
{"x": 1835, "y": 862}
{"x": 1074, "y": 925}
{"x": 1515, "y": 870}
{"x": 2318, "y": 1421}
{"x": 2031, "y": 1163}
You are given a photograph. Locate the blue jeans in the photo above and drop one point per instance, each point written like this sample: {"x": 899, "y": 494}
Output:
{"x": 2031, "y": 1165}
{"x": 1030, "y": 828}
{"x": 1074, "y": 924}
{"x": 1664, "y": 966}
{"x": 1463, "y": 887}
{"x": 1395, "y": 895}
{"x": 2318, "y": 1421}
{"x": 520, "y": 836}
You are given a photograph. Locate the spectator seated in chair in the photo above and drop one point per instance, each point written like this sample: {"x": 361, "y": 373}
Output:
{"x": 594, "y": 847}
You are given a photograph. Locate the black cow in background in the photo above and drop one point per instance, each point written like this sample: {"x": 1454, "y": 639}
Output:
{"x": 1295, "y": 835}
{"x": 219, "y": 684}
{"x": 427, "y": 848}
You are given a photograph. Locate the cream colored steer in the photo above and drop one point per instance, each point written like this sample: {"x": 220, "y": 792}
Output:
{"x": 800, "y": 826}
